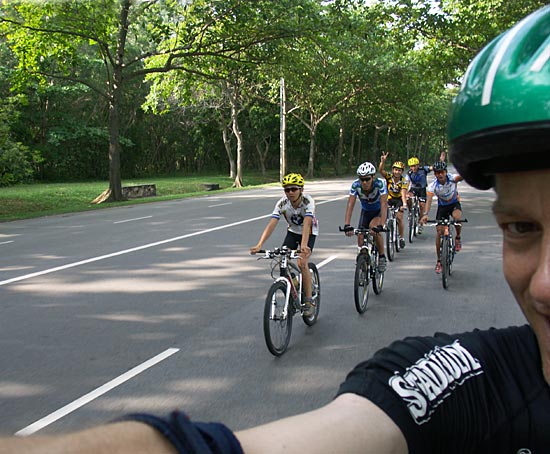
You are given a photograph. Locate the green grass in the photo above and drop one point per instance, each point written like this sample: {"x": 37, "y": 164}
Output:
{"x": 35, "y": 200}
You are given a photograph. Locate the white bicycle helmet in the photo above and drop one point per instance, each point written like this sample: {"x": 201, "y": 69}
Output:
{"x": 366, "y": 169}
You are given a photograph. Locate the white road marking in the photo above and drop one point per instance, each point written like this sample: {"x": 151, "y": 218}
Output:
{"x": 87, "y": 398}
{"x": 138, "y": 248}
{"x": 327, "y": 260}
{"x": 130, "y": 220}
{"x": 126, "y": 251}
{"x": 220, "y": 204}
{"x": 6, "y": 242}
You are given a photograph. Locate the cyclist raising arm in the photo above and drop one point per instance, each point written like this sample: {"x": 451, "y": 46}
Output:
{"x": 397, "y": 191}
{"x": 484, "y": 391}
{"x": 418, "y": 181}
{"x": 444, "y": 186}
{"x": 298, "y": 209}
{"x": 373, "y": 195}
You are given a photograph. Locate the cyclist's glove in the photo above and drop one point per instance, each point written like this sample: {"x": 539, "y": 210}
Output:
{"x": 347, "y": 228}
{"x": 188, "y": 437}
{"x": 379, "y": 228}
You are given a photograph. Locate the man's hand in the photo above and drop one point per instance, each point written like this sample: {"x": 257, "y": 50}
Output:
{"x": 255, "y": 249}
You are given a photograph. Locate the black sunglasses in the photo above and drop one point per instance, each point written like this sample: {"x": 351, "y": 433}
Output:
{"x": 291, "y": 189}
{"x": 366, "y": 179}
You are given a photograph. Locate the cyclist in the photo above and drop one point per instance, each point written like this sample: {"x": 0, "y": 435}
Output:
{"x": 298, "y": 209}
{"x": 373, "y": 194}
{"x": 397, "y": 191}
{"x": 485, "y": 391}
{"x": 418, "y": 180}
{"x": 444, "y": 186}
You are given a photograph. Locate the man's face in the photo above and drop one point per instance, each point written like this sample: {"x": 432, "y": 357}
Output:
{"x": 441, "y": 175}
{"x": 521, "y": 211}
{"x": 414, "y": 168}
{"x": 366, "y": 182}
{"x": 293, "y": 192}
{"x": 397, "y": 172}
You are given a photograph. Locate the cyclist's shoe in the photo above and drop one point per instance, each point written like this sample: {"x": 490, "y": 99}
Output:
{"x": 309, "y": 307}
{"x": 401, "y": 243}
{"x": 420, "y": 228}
{"x": 382, "y": 264}
{"x": 458, "y": 244}
{"x": 438, "y": 267}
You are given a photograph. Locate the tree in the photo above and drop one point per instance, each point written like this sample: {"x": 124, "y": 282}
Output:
{"x": 130, "y": 39}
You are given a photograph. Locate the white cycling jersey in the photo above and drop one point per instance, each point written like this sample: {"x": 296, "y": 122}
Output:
{"x": 295, "y": 216}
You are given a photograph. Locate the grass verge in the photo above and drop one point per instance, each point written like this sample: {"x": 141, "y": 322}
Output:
{"x": 35, "y": 200}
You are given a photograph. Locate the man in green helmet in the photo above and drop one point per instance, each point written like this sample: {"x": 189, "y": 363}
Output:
{"x": 476, "y": 392}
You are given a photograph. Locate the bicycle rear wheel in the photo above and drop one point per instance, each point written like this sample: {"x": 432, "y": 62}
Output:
{"x": 390, "y": 243}
{"x": 361, "y": 283}
{"x": 315, "y": 295}
{"x": 445, "y": 262}
{"x": 277, "y": 326}
{"x": 377, "y": 276}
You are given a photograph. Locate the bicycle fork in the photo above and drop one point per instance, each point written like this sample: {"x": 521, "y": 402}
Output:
{"x": 290, "y": 291}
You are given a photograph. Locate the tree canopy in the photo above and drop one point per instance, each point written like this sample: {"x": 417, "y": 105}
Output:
{"x": 119, "y": 89}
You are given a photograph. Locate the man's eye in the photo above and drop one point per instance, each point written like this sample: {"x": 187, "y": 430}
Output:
{"x": 519, "y": 228}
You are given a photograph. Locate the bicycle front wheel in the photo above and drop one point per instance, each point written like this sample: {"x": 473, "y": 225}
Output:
{"x": 377, "y": 276}
{"x": 396, "y": 236}
{"x": 277, "y": 323}
{"x": 361, "y": 284}
{"x": 412, "y": 227}
{"x": 445, "y": 261}
{"x": 315, "y": 295}
{"x": 390, "y": 243}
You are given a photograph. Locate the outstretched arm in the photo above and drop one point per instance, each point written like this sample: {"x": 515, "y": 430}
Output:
{"x": 349, "y": 424}
{"x": 265, "y": 235}
{"x": 383, "y": 164}
{"x": 118, "y": 438}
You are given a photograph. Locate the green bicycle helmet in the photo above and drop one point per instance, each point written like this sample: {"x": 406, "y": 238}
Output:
{"x": 500, "y": 119}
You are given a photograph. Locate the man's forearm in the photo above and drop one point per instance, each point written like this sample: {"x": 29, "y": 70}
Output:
{"x": 117, "y": 438}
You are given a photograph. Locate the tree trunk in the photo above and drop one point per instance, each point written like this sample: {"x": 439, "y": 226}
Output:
{"x": 340, "y": 150}
{"x": 114, "y": 193}
{"x": 238, "y": 183}
{"x": 229, "y": 152}
{"x": 312, "y": 146}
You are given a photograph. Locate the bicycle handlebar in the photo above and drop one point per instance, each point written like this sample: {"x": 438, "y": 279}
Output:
{"x": 270, "y": 253}
{"x": 446, "y": 221}
{"x": 362, "y": 230}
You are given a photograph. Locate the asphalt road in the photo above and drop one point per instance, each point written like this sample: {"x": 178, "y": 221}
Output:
{"x": 89, "y": 301}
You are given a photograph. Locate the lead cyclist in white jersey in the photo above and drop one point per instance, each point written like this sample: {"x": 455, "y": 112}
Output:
{"x": 298, "y": 209}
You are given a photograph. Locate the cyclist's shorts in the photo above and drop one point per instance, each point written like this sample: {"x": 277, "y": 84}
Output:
{"x": 366, "y": 217}
{"x": 393, "y": 202}
{"x": 293, "y": 240}
{"x": 420, "y": 193}
{"x": 446, "y": 211}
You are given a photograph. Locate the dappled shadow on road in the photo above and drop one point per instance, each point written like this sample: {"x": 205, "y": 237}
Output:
{"x": 210, "y": 307}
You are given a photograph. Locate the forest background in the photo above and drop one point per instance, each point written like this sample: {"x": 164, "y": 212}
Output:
{"x": 112, "y": 90}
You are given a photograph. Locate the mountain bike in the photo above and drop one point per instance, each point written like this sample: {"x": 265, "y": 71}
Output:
{"x": 414, "y": 217}
{"x": 446, "y": 246}
{"x": 366, "y": 268}
{"x": 284, "y": 298}
{"x": 392, "y": 233}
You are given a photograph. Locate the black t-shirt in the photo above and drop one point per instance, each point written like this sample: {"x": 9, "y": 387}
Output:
{"x": 476, "y": 392}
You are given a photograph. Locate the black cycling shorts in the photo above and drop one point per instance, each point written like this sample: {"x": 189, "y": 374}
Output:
{"x": 393, "y": 202}
{"x": 366, "y": 217}
{"x": 446, "y": 211}
{"x": 293, "y": 240}
{"x": 420, "y": 193}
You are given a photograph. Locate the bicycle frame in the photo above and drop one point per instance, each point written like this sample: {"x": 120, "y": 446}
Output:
{"x": 282, "y": 256}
